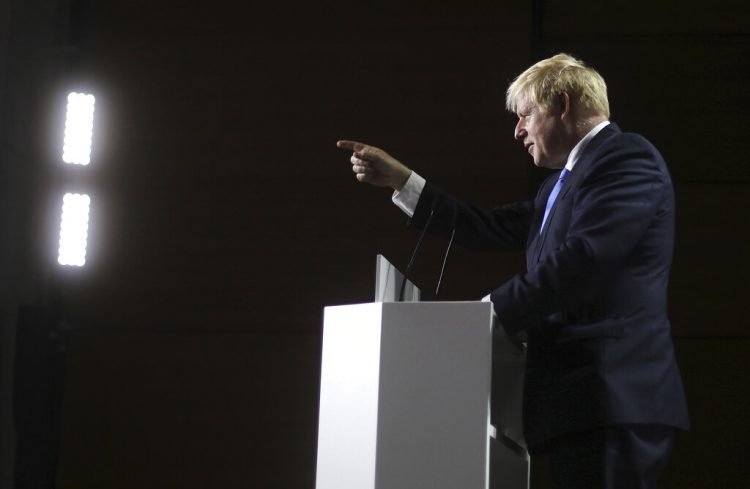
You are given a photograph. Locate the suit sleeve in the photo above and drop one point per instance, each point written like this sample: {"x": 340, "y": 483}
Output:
{"x": 617, "y": 200}
{"x": 502, "y": 228}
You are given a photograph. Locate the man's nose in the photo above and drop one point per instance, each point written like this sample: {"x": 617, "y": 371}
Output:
{"x": 519, "y": 132}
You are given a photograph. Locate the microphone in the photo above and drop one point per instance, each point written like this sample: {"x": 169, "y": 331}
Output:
{"x": 447, "y": 251}
{"x": 445, "y": 259}
{"x": 414, "y": 253}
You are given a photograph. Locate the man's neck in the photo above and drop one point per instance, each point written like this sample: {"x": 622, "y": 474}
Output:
{"x": 575, "y": 153}
{"x": 584, "y": 126}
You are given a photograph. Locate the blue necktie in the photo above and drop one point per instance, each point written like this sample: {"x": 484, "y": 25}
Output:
{"x": 553, "y": 195}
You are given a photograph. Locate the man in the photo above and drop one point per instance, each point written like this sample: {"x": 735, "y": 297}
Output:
{"x": 602, "y": 394}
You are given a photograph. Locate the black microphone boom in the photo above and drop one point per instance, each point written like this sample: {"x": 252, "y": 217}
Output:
{"x": 445, "y": 260}
{"x": 414, "y": 254}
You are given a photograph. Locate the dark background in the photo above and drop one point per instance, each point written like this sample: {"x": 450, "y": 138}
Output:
{"x": 186, "y": 352}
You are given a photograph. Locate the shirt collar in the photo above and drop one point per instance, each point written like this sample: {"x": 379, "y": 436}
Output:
{"x": 575, "y": 154}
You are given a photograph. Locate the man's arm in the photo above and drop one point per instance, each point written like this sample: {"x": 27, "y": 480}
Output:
{"x": 502, "y": 228}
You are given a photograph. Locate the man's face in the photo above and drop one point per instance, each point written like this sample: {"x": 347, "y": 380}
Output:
{"x": 543, "y": 135}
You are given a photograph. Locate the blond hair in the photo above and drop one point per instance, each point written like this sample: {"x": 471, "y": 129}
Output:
{"x": 542, "y": 84}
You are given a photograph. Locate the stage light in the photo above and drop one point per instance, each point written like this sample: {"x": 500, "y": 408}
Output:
{"x": 79, "y": 125}
{"x": 74, "y": 226}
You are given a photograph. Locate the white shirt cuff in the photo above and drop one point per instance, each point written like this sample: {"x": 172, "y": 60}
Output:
{"x": 406, "y": 199}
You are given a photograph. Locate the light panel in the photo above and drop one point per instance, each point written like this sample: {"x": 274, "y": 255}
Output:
{"x": 74, "y": 226}
{"x": 79, "y": 125}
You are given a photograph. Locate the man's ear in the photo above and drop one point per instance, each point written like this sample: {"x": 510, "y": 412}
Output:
{"x": 565, "y": 109}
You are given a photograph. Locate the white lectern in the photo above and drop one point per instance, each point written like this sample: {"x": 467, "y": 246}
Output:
{"x": 405, "y": 399}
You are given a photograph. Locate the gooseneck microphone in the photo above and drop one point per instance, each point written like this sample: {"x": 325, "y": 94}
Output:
{"x": 414, "y": 254}
{"x": 445, "y": 260}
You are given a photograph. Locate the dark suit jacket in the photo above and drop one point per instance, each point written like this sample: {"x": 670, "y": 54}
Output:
{"x": 593, "y": 300}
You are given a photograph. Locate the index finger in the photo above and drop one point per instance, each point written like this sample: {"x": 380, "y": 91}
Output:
{"x": 350, "y": 145}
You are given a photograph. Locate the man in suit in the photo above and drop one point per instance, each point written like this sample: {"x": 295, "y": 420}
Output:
{"x": 602, "y": 394}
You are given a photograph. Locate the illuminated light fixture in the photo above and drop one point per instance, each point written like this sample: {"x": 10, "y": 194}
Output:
{"x": 74, "y": 226}
{"x": 79, "y": 125}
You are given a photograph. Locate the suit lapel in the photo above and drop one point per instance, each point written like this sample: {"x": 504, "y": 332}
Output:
{"x": 535, "y": 237}
{"x": 542, "y": 237}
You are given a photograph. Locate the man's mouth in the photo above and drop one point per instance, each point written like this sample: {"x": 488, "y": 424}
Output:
{"x": 529, "y": 146}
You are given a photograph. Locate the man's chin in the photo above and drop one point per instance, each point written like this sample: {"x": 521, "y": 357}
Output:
{"x": 547, "y": 164}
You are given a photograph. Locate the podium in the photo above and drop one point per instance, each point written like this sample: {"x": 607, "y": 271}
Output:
{"x": 405, "y": 399}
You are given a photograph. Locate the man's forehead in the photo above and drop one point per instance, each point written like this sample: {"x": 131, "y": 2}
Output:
{"x": 524, "y": 105}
